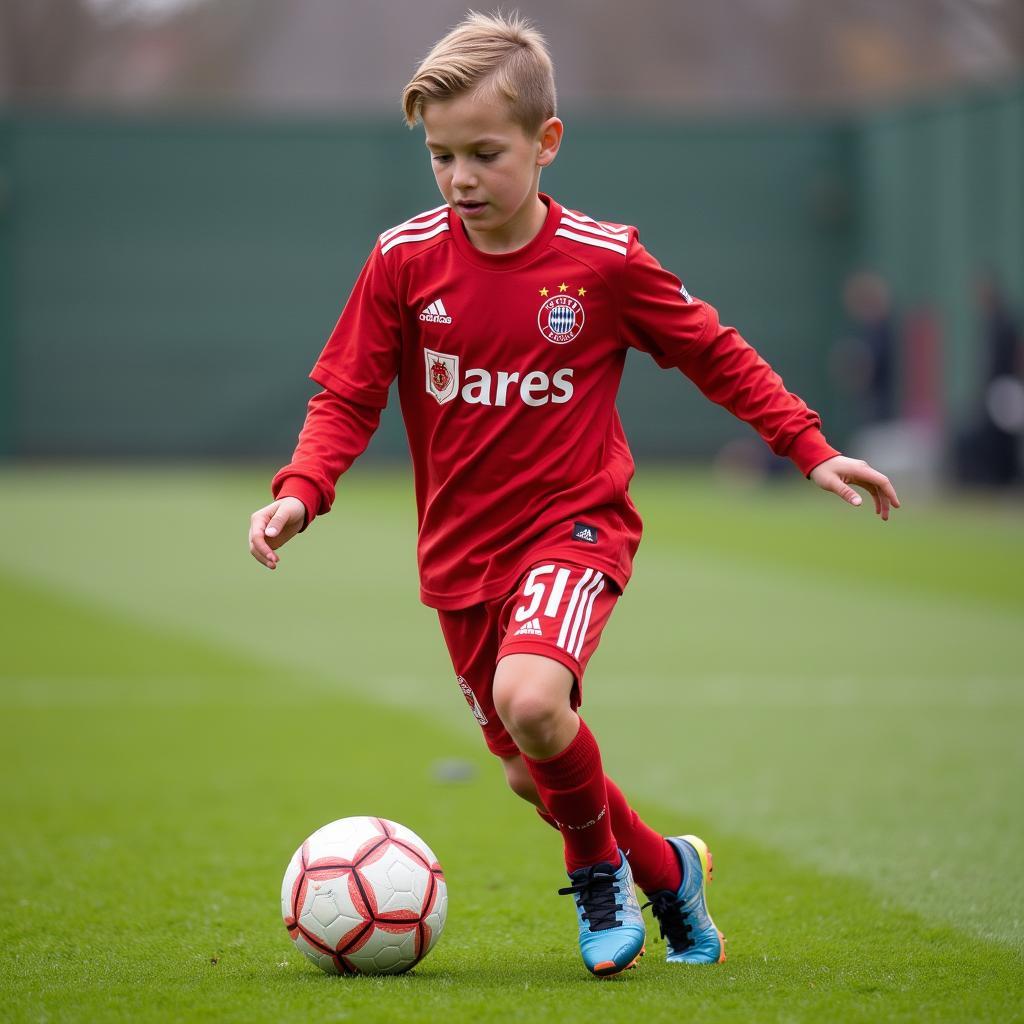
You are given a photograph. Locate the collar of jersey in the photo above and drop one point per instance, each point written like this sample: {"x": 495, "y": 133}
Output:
{"x": 506, "y": 260}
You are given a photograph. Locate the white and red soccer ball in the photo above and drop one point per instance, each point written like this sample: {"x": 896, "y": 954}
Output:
{"x": 364, "y": 896}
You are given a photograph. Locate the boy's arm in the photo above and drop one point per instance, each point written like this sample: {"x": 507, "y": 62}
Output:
{"x": 335, "y": 434}
{"x": 661, "y": 318}
{"x": 355, "y": 369}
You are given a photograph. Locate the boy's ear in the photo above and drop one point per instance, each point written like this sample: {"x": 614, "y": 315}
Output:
{"x": 549, "y": 139}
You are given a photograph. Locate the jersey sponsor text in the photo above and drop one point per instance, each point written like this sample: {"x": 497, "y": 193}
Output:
{"x": 484, "y": 387}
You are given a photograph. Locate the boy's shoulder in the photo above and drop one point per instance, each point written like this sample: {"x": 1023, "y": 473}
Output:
{"x": 603, "y": 246}
{"x": 605, "y": 235}
{"x": 412, "y": 234}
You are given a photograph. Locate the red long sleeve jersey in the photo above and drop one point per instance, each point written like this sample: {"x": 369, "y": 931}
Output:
{"x": 508, "y": 367}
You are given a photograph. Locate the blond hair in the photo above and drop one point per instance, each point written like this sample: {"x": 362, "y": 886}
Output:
{"x": 492, "y": 55}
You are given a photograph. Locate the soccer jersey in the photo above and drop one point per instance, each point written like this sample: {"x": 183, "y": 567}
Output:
{"x": 508, "y": 367}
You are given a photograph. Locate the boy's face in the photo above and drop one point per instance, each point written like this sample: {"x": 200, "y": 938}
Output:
{"x": 488, "y": 168}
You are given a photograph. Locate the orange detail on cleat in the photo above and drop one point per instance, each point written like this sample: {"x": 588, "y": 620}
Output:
{"x": 723, "y": 940}
{"x": 609, "y": 968}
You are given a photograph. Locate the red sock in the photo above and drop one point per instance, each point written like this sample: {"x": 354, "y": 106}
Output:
{"x": 571, "y": 784}
{"x": 654, "y": 863}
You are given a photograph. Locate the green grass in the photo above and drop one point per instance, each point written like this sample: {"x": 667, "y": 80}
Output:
{"x": 837, "y": 706}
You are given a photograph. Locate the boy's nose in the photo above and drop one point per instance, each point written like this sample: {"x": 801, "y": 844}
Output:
{"x": 463, "y": 177}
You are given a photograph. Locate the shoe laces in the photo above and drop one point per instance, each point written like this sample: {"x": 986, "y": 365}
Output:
{"x": 595, "y": 888}
{"x": 674, "y": 925}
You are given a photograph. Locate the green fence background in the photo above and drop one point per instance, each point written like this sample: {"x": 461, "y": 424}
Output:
{"x": 165, "y": 285}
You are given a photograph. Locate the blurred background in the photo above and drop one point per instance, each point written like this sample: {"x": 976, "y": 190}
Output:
{"x": 188, "y": 188}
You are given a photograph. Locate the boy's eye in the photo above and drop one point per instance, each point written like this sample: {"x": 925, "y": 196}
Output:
{"x": 441, "y": 157}
{"x": 486, "y": 156}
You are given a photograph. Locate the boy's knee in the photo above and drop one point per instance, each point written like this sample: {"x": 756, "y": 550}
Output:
{"x": 531, "y": 694}
{"x": 527, "y": 711}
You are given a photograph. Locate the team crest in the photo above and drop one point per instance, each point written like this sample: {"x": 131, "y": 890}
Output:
{"x": 560, "y": 319}
{"x": 442, "y": 375}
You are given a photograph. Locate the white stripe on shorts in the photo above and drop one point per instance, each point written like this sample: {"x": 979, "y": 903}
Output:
{"x": 567, "y": 619}
{"x": 586, "y": 620}
{"x": 583, "y": 611}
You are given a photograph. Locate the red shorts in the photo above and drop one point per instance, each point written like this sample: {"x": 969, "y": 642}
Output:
{"x": 558, "y": 610}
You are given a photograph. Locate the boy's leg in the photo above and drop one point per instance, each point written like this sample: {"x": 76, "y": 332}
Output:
{"x": 551, "y": 625}
{"x": 672, "y": 872}
{"x": 479, "y": 637}
{"x": 473, "y": 636}
{"x": 532, "y": 698}
{"x": 651, "y": 856}
{"x": 655, "y": 864}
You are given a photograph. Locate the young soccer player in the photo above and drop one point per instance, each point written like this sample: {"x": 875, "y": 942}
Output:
{"x": 506, "y": 318}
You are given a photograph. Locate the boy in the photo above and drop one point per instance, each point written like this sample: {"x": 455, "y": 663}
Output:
{"x": 506, "y": 318}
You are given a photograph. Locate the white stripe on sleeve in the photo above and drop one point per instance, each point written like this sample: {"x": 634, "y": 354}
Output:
{"x": 591, "y": 240}
{"x": 418, "y": 237}
{"x": 594, "y": 228}
{"x": 422, "y": 220}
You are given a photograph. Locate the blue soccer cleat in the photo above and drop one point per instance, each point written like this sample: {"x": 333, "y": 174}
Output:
{"x": 611, "y": 925}
{"x": 683, "y": 917}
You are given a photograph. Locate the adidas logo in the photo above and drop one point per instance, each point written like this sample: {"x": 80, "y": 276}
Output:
{"x": 531, "y": 628}
{"x": 435, "y": 313}
{"x": 581, "y": 531}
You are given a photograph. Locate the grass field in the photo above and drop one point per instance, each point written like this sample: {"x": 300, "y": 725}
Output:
{"x": 837, "y": 706}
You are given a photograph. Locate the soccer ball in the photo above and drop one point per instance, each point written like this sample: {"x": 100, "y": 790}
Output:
{"x": 364, "y": 896}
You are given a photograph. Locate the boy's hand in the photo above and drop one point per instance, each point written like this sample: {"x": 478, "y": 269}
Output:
{"x": 836, "y": 474}
{"x": 273, "y": 525}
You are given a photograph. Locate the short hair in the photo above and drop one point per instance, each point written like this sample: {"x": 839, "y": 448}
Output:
{"x": 494, "y": 55}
